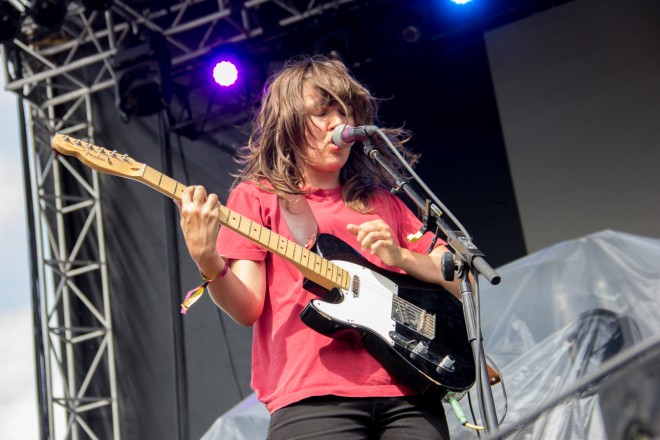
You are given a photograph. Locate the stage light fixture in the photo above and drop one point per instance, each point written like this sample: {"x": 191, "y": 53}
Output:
{"x": 461, "y": 2}
{"x": 225, "y": 73}
{"x": 10, "y": 22}
{"x": 48, "y": 13}
{"x": 143, "y": 84}
{"x": 411, "y": 34}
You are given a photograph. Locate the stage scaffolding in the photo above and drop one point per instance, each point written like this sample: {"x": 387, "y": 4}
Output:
{"x": 55, "y": 75}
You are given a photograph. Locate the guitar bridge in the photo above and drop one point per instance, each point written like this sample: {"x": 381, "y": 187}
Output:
{"x": 413, "y": 317}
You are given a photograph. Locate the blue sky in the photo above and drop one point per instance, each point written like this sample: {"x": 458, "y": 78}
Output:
{"x": 18, "y": 407}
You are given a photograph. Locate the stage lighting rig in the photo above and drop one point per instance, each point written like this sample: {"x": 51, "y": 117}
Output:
{"x": 225, "y": 73}
{"x": 143, "y": 83}
{"x": 10, "y": 22}
{"x": 48, "y": 13}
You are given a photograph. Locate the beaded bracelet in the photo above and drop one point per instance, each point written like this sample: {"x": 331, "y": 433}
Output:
{"x": 193, "y": 295}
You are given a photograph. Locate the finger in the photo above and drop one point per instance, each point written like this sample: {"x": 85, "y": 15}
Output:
{"x": 209, "y": 210}
{"x": 363, "y": 238}
{"x": 178, "y": 205}
{"x": 199, "y": 194}
{"x": 212, "y": 200}
{"x": 377, "y": 245}
{"x": 364, "y": 230}
{"x": 186, "y": 197}
{"x": 353, "y": 229}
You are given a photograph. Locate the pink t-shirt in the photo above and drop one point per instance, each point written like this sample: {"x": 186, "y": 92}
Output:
{"x": 290, "y": 361}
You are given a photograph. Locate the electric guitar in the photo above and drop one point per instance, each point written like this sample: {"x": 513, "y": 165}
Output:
{"x": 416, "y": 330}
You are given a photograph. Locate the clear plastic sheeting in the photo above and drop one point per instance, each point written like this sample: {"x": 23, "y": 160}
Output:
{"x": 248, "y": 420}
{"x": 557, "y": 316}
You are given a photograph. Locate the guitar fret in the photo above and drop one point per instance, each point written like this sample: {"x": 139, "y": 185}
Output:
{"x": 295, "y": 250}
{"x": 297, "y": 253}
{"x": 249, "y": 226}
{"x": 253, "y": 230}
{"x": 267, "y": 240}
{"x": 272, "y": 237}
{"x": 333, "y": 272}
{"x": 286, "y": 249}
{"x": 169, "y": 185}
{"x": 340, "y": 277}
{"x": 245, "y": 224}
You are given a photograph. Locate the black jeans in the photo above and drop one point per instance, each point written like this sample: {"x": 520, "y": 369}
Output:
{"x": 348, "y": 418}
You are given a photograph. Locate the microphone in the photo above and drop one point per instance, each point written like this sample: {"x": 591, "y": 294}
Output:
{"x": 344, "y": 135}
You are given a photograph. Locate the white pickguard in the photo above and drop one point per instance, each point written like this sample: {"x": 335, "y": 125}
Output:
{"x": 372, "y": 308}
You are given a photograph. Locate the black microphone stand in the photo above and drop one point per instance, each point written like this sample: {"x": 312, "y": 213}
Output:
{"x": 467, "y": 259}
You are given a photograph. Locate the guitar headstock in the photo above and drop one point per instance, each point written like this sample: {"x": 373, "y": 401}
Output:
{"x": 98, "y": 158}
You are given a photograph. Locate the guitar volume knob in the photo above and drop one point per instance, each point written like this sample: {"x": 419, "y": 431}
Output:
{"x": 421, "y": 349}
{"x": 448, "y": 364}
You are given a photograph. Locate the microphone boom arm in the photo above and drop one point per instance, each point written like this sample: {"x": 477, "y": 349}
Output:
{"x": 457, "y": 240}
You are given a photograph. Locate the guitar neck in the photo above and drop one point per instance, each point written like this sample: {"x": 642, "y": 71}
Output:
{"x": 316, "y": 268}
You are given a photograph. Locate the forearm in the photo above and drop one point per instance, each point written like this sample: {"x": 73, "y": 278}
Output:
{"x": 428, "y": 267}
{"x": 242, "y": 300}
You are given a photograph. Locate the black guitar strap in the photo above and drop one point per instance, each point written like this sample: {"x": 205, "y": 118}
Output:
{"x": 299, "y": 218}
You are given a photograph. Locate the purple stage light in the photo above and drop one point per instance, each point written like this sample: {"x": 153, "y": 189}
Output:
{"x": 225, "y": 73}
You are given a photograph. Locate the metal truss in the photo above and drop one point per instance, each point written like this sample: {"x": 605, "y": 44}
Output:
{"x": 74, "y": 299}
{"x": 56, "y": 73}
{"x": 76, "y": 322}
{"x": 192, "y": 28}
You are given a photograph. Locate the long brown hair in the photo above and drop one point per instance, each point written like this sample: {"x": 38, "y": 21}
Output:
{"x": 274, "y": 152}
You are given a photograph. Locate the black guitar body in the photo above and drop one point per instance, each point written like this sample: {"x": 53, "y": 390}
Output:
{"x": 416, "y": 330}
